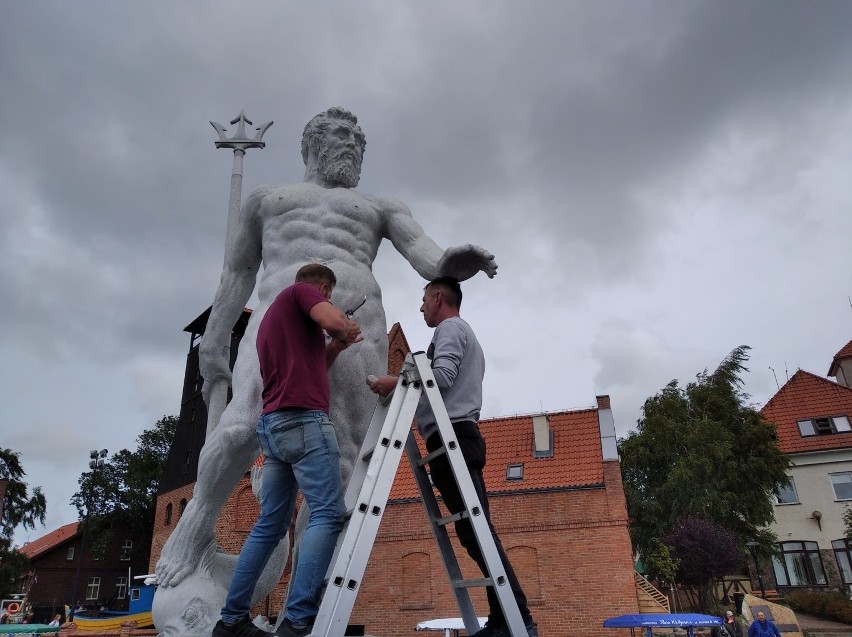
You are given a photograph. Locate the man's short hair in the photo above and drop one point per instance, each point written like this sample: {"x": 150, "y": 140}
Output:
{"x": 451, "y": 289}
{"x": 315, "y": 129}
{"x": 316, "y": 273}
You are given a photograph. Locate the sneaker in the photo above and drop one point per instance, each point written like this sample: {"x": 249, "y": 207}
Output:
{"x": 287, "y": 629}
{"x": 243, "y": 628}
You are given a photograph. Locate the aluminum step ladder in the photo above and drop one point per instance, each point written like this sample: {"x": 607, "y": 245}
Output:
{"x": 367, "y": 495}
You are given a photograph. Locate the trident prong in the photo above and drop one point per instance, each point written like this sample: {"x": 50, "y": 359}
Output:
{"x": 240, "y": 141}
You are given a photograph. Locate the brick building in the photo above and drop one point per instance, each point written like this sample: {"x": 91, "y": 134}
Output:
{"x": 556, "y": 498}
{"x": 557, "y": 502}
{"x": 54, "y": 562}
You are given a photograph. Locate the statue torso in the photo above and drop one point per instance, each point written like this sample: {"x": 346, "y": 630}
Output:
{"x": 305, "y": 223}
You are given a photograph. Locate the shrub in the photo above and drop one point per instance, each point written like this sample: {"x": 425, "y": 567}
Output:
{"x": 834, "y": 605}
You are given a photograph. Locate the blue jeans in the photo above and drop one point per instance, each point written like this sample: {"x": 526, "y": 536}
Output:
{"x": 299, "y": 451}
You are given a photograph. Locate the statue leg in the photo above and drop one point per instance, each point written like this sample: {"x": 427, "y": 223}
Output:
{"x": 227, "y": 454}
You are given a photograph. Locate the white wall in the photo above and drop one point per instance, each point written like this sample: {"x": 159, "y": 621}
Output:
{"x": 813, "y": 485}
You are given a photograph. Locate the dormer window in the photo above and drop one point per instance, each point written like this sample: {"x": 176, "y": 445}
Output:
{"x": 824, "y": 426}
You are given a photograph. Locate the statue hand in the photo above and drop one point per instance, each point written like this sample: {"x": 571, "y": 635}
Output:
{"x": 462, "y": 262}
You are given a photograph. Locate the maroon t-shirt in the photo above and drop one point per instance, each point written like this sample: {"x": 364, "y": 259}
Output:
{"x": 291, "y": 350}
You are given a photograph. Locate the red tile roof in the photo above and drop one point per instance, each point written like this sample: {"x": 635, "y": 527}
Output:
{"x": 49, "y": 541}
{"x": 807, "y": 396}
{"x": 576, "y": 461}
{"x": 845, "y": 352}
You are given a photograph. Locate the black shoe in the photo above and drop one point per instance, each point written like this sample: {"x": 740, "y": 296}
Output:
{"x": 286, "y": 629}
{"x": 503, "y": 631}
{"x": 491, "y": 630}
{"x": 243, "y": 628}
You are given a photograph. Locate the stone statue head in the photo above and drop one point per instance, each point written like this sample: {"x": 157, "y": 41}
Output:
{"x": 338, "y": 162}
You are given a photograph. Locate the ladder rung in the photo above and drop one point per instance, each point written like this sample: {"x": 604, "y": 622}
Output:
{"x": 425, "y": 459}
{"x": 366, "y": 457}
{"x": 473, "y": 583}
{"x": 455, "y": 517}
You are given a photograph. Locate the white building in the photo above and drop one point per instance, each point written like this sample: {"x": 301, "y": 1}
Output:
{"x": 812, "y": 418}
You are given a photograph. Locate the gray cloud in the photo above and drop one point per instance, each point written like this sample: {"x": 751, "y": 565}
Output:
{"x": 659, "y": 182}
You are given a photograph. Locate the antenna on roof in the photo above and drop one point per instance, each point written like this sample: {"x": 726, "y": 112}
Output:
{"x": 776, "y": 378}
{"x": 786, "y": 372}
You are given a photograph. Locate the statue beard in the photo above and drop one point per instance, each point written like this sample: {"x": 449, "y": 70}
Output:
{"x": 344, "y": 168}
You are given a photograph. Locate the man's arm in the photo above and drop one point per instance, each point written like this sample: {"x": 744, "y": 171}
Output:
{"x": 425, "y": 256}
{"x": 239, "y": 274}
{"x": 343, "y": 331}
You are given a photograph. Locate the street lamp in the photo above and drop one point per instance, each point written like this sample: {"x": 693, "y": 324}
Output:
{"x": 97, "y": 460}
{"x": 752, "y": 547}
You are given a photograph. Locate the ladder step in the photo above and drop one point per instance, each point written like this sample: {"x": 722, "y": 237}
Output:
{"x": 366, "y": 457}
{"x": 474, "y": 583}
{"x": 426, "y": 459}
{"x": 455, "y": 517}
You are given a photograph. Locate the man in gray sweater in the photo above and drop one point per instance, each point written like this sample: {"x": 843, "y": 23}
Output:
{"x": 459, "y": 367}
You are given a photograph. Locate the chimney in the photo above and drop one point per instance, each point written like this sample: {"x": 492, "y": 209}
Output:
{"x": 542, "y": 437}
{"x": 606, "y": 425}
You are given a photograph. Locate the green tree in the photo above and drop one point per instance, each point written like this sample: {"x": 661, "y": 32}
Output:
{"x": 122, "y": 494}
{"x": 702, "y": 452}
{"x": 18, "y": 508}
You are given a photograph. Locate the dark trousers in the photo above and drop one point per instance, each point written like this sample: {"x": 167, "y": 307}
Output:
{"x": 472, "y": 446}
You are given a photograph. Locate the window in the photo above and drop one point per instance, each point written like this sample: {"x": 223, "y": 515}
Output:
{"x": 824, "y": 426}
{"x": 70, "y": 554}
{"x": 135, "y": 594}
{"x": 182, "y": 508}
{"x": 842, "y": 483}
{"x": 126, "y": 549}
{"x": 121, "y": 588}
{"x": 168, "y": 514}
{"x": 787, "y": 494}
{"x": 800, "y": 565}
{"x": 515, "y": 472}
{"x": 93, "y": 588}
{"x": 844, "y": 560}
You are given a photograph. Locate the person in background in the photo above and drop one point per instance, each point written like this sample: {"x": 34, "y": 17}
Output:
{"x": 731, "y": 626}
{"x": 762, "y": 627}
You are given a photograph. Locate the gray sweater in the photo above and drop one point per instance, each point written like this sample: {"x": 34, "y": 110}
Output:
{"x": 459, "y": 367}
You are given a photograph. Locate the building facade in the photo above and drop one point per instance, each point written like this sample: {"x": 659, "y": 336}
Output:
{"x": 812, "y": 419}
{"x": 62, "y": 559}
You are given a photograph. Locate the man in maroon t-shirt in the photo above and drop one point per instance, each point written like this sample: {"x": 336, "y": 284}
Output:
{"x": 299, "y": 450}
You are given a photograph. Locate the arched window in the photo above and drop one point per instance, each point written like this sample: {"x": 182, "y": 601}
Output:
{"x": 416, "y": 582}
{"x": 168, "y": 514}
{"x": 182, "y": 508}
{"x": 524, "y": 559}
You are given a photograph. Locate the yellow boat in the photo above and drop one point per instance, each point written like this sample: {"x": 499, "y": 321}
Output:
{"x": 141, "y": 599}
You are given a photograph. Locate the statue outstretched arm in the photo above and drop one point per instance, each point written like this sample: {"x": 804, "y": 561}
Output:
{"x": 239, "y": 275}
{"x": 426, "y": 257}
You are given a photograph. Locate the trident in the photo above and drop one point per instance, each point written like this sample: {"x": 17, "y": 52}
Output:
{"x": 240, "y": 143}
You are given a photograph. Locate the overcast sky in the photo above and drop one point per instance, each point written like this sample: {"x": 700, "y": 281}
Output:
{"x": 660, "y": 182}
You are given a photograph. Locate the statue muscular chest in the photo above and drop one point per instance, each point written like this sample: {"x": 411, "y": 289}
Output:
{"x": 336, "y": 217}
